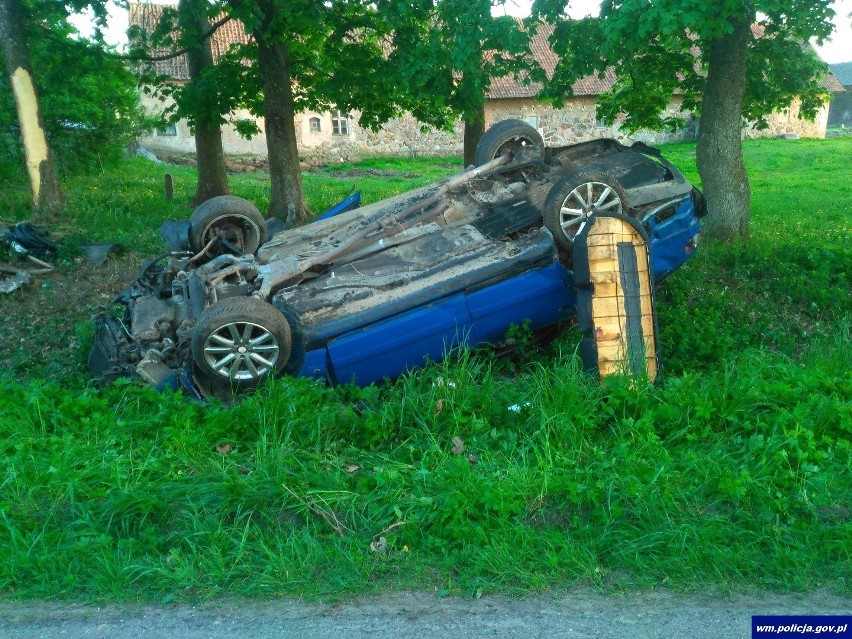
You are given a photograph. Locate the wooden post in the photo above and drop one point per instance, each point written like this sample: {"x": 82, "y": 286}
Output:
{"x": 170, "y": 187}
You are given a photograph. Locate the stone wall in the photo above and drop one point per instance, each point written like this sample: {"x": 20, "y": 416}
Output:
{"x": 788, "y": 122}
{"x": 320, "y": 142}
{"x": 181, "y": 140}
{"x": 403, "y": 136}
{"x": 577, "y": 121}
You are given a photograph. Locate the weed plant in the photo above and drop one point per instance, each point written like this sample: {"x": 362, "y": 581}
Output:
{"x": 476, "y": 474}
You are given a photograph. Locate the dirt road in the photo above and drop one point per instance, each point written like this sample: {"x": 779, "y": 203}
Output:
{"x": 417, "y": 615}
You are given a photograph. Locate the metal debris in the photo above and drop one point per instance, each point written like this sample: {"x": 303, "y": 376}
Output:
{"x": 14, "y": 282}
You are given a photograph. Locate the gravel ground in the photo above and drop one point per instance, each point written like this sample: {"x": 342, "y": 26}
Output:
{"x": 577, "y": 614}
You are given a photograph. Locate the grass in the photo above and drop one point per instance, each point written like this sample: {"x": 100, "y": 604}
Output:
{"x": 732, "y": 472}
{"x": 127, "y": 203}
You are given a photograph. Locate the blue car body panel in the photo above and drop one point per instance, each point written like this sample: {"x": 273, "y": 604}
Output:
{"x": 670, "y": 239}
{"x": 543, "y": 297}
{"x": 364, "y": 354}
{"x": 427, "y": 333}
{"x": 315, "y": 364}
{"x": 389, "y": 347}
{"x": 347, "y": 204}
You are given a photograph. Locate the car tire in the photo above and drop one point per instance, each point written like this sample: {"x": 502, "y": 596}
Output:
{"x": 504, "y": 137}
{"x": 233, "y": 218}
{"x": 241, "y": 341}
{"x": 574, "y": 197}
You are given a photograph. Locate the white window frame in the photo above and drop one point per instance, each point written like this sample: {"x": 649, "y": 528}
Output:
{"x": 339, "y": 123}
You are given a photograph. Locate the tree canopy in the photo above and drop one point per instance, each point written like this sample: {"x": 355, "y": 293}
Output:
{"x": 382, "y": 59}
{"x": 728, "y": 62}
{"x": 446, "y": 53}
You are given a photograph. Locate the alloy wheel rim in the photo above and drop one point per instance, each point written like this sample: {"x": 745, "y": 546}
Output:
{"x": 241, "y": 351}
{"x": 582, "y": 201}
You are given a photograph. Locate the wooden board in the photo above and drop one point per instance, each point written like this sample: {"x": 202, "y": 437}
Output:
{"x": 615, "y": 302}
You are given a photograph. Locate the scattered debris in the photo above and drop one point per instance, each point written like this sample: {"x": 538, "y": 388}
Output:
{"x": 517, "y": 408}
{"x": 96, "y": 253}
{"x": 30, "y": 243}
{"x": 145, "y": 153}
{"x": 458, "y": 446}
{"x": 13, "y": 283}
{"x": 175, "y": 234}
{"x": 439, "y": 407}
{"x": 379, "y": 545}
{"x": 26, "y": 239}
{"x": 440, "y": 382}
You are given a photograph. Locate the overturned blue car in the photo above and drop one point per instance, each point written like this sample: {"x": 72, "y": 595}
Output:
{"x": 369, "y": 293}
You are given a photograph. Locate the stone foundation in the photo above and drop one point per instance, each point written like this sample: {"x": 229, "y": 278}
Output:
{"x": 788, "y": 123}
{"x": 320, "y": 143}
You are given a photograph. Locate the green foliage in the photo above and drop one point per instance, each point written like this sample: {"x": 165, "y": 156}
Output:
{"x": 659, "y": 49}
{"x": 88, "y": 99}
{"x": 381, "y": 60}
{"x": 220, "y": 89}
{"x": 733, "y": 471}
{"x": 447, "y": 53}
{"x": 738, "y": 476}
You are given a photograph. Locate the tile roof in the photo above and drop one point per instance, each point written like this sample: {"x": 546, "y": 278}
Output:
{"x": 147, "y": 16}
{"x": 508, "y": 87}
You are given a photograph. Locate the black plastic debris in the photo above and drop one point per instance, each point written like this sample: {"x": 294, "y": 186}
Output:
{"x": 175, "y": 234}
{"x": 96, "y": 253}
{"x": 275, "y": 225}
{"x": 25, "y": 238}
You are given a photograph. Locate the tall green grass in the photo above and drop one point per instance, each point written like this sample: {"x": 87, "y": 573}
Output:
{"x": 480, "y": 474}
{"x": 127, "y": 203}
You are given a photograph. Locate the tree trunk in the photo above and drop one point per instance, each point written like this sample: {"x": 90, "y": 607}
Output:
{"x": 286, "y": 199}
{"x": 212, "y": 179}
{"x": 474, "y": 127}
{"x": 47, "y": 196}
{"x": 719, "y": 148}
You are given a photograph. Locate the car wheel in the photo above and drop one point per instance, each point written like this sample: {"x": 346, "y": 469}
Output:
{"x": 232, "y": 219}
{"x": 573, "y": 198}
{"x": 506, "y": 137}
{"x": 241, "y": 341}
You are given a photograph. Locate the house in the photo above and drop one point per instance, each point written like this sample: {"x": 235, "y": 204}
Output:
{"x": 840, "y": 109}
{"x": 327, "y": 137}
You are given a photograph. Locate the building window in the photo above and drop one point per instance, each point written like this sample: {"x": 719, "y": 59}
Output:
{"x": 600, "y": 124}
{"x": 167, "y": 130}
{"x": 339, "y": 123}
{"x": 316, "y": 125}
{"x": 532, "y": 120}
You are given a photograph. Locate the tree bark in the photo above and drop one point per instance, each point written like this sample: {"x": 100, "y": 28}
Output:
{"x": 719, "y": 151}
{"x": 474, "y": 127}
{"x": 47, "y": 195}
{"x": 210, "y": 157}
{"x": 286, "y": 198}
